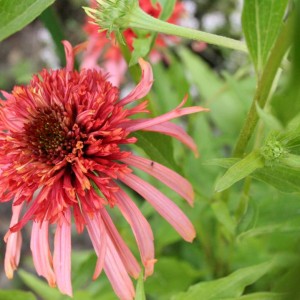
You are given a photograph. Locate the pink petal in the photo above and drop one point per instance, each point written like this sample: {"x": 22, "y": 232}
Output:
{"x": 14, "y": 243}
{"x": 91, "y": 55}
{"x": 143, "y": 87}
{"x": 117, "y": 274}
{"x": 97, "y": 234}
{"x": 31, "y": 211}
{"x": 175, "y": 113}
{"x": 141, "y": 230}
{"x": 69, "y": 55}
{"x": 42, "y": 258}
{"x": 127, "y": 257}
{"x": 116, "y": 69}
{"x": 167, "y": 176}
{"x": 62, "y": 254}
{"x": 165, "y": 207}
{"x": 170, "y": 129}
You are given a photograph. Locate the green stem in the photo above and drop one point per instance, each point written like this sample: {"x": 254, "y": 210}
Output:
{"x": 139, "y": 19}
{"x": 265, "y": 85}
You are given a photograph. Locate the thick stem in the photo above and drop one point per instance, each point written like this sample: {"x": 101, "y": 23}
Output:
{"x": 139, "y": 19}
{"x": 265, "y": 85}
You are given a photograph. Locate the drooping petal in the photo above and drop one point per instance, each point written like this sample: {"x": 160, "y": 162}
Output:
{"x": 42, "y": 258}
{"x": 163, "y": 205}
{"x": 167, "y": 176}
{"x": 14, "y": 243}
{"x": 31, "y": 211}
{"x": 143, "y": 87}
{"x": 62, "y": 254}
{"x": 97, "y": 234}
{"x": 125, "y": 254}
{"x": 170, "y": 129}
{"x": 141, "y": 230}
{"x": 117, "y": 274}
{"x": 175, "y": 113}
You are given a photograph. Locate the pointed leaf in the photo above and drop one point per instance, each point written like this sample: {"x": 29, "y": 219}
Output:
{"x": 14, "y": 14}
{"x": 283, "y": 178}
{"x": 39, "y": 286}
{"x": 229, "y": 286}
{"x": 261, "y": 20}
{"x": 240, "y": 170}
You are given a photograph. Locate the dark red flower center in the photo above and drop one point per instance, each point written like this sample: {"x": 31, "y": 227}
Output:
{"x": 48, "y": 137}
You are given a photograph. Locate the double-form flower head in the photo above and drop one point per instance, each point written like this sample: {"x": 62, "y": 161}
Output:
{"x": 62, "y": 158}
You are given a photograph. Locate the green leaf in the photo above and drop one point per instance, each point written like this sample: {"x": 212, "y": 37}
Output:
{"x": 290, "y": 226}
{"x": 14, "y": 14}
{"x": 287, "y": 104}
{"x": 139, "y": 291}
{"x": 168, "y": 7}
{"x": 170, "y": 277}
{"x": 226, "y": 108}
{"x": 261, "y": 20}
{"x": 222, "y": 213}
{"x": 54, "y": 25}
{"x": 39, "y": 286}
{"x": 258, "y": 296}
{"x": 291, "y": 160}
{"x": 283, "y": 178}
{"x": 16, "y": 295}
{"x": 229, "y": 286}
{"x": 249, "y": 219}
{"x": 240, "y": 170}
{"x": 159, "y": 148}
{"x": 141, "y": 48}
{"x": 222, "y": 162}
{"x": 270, "y": 121}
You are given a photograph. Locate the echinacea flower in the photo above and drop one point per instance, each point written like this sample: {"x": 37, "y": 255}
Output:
{"x": 99, "y": 45}
{"x": 62, "y": 154}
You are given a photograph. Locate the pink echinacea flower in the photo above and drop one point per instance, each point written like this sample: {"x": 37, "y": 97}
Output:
{"x": 98, "y": 45}
{"x": 62, "y": 159}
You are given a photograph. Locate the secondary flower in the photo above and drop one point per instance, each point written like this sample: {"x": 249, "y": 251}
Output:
{"x": 62, "y": 154}
{"x": 118, "y": 15}
{"x": 98, "y": 44}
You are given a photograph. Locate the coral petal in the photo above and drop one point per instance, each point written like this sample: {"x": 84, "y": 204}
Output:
{"x": 163, "y": 205}
{"x": 62, "y": 254}
{"x": 143, "y": 87}
{"x": 141, "y": 230}
{"x": 170, "y": 178}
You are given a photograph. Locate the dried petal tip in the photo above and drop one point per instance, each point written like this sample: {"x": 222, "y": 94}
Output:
{"x": 113, "y": 15}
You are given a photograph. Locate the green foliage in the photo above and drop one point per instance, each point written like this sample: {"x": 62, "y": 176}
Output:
{"x": 39, "y": 286}
{"x": 255, "y": 213}
{"x": 159, "y": 147}
{"x": 240, "y": 170}
{"x": 16, "y": 295}
{"x": 168, "y": 6}
{"x": 231, "y": 286}
{"x": 14, "y": 15}
{"x": 261, "y": 24}
{"x": 141, "y": 48}
{"x": 140, "y": 292}
{"x": 171, "y": 276}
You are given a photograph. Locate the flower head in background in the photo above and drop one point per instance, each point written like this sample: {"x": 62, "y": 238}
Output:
{"x": 100, "y": 46}
{"x": 62, "y": 154}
